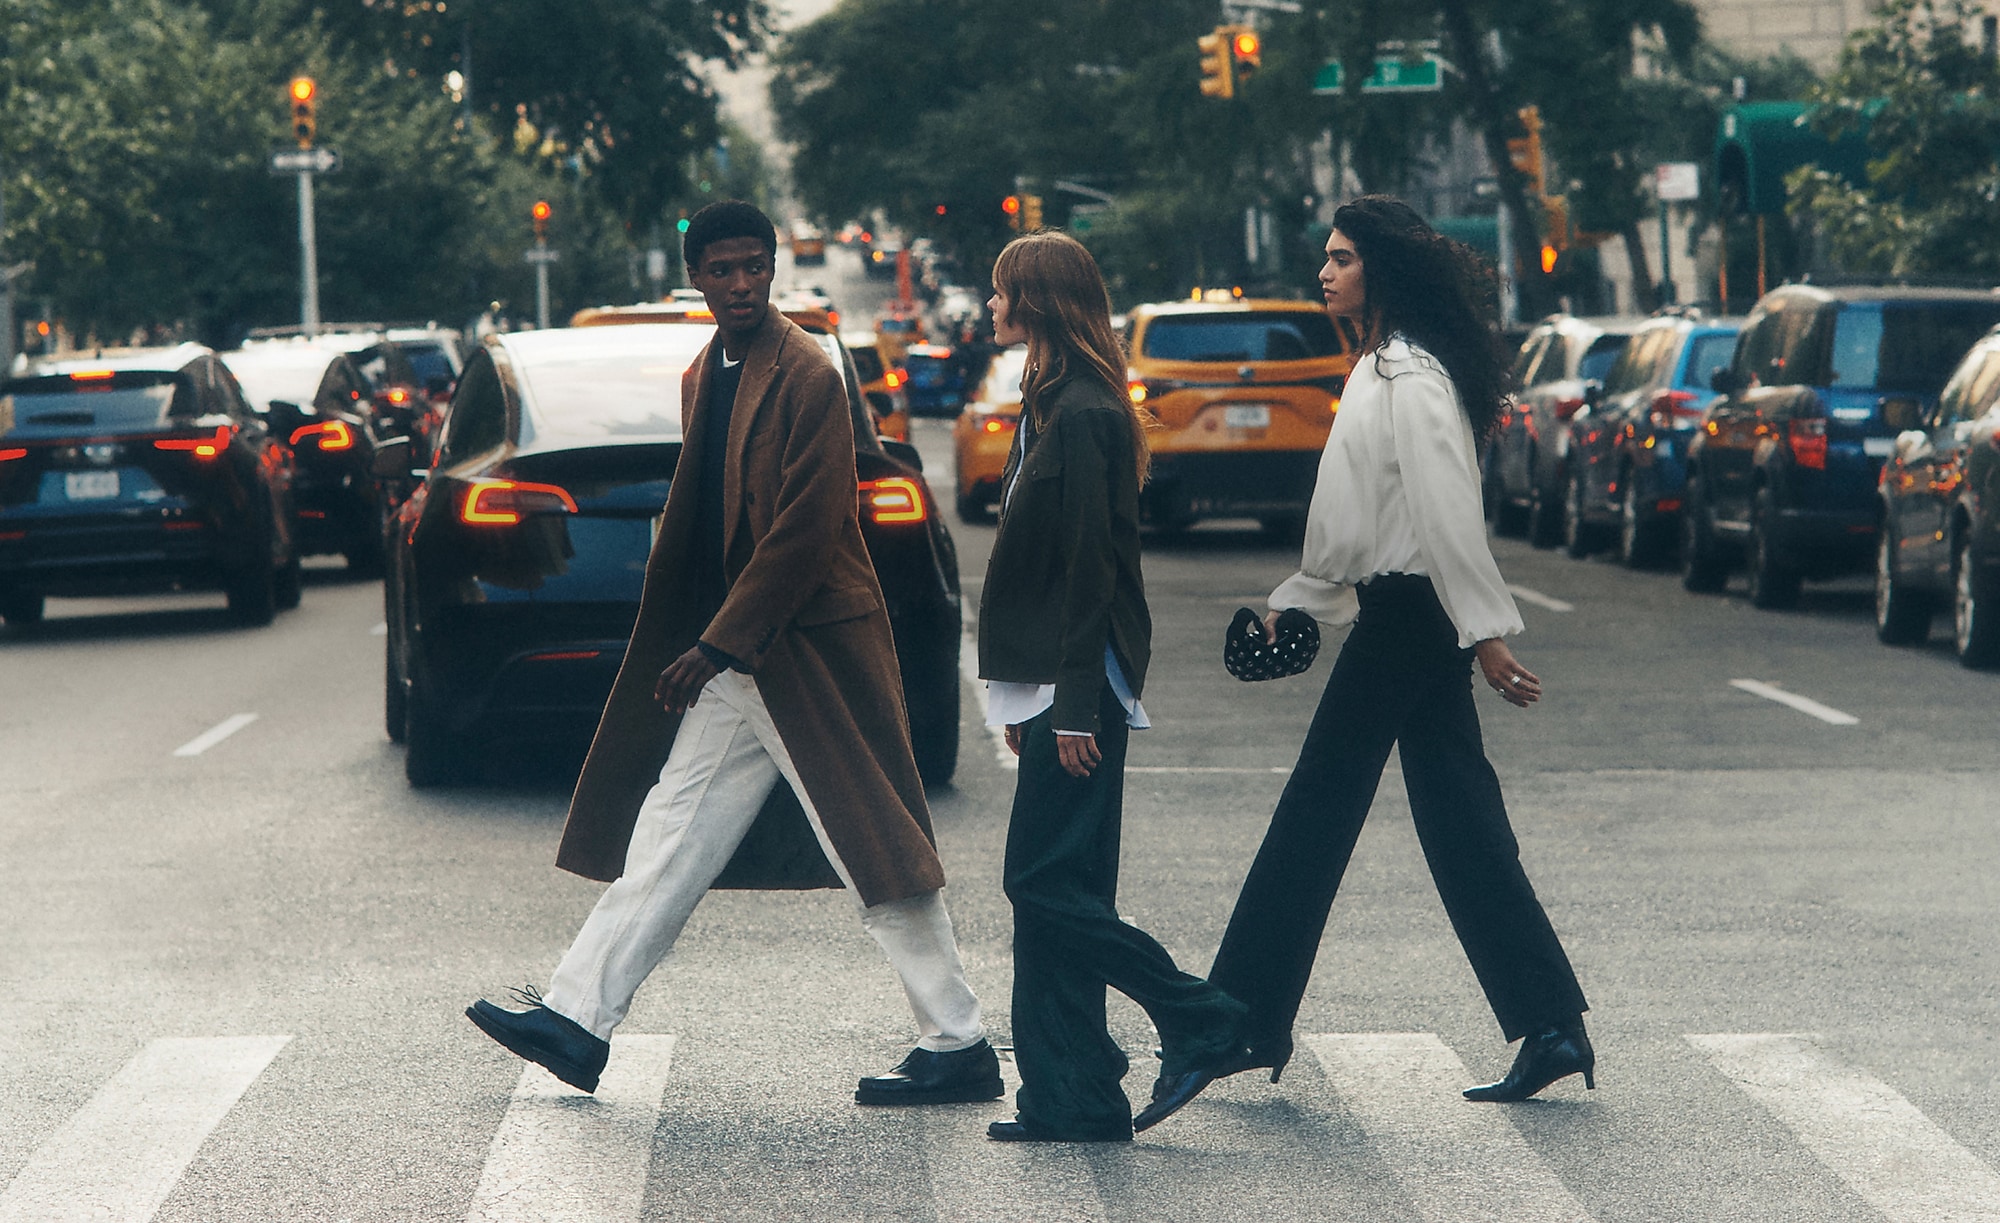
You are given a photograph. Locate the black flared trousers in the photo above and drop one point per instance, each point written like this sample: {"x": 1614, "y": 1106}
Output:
{"x": 1061, "y": 874}
{"x": 1401, "y": 680}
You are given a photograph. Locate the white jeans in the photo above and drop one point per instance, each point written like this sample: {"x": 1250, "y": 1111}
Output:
{"x": 724, "y": 762}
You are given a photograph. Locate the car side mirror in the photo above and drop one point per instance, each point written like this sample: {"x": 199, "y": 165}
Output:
{"x": 395, "y": 458}
{"x": 904, "y": 452}
{"x": 1912, "y": 446}
{"x": 1724, "y": 380}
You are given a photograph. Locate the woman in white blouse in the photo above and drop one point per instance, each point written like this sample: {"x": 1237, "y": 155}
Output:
{"x": 1396, "y": 544}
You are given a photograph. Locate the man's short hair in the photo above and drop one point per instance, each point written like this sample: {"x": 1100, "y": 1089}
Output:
{"x": 721, "y": 221}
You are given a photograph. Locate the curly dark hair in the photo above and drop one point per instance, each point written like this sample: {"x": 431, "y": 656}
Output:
{"x": 1439, "y": 293}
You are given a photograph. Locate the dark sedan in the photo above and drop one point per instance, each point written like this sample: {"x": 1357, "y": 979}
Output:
{"x": 1939, "y": 546}
{"x": 319, "y": 400}
{"x": 515, "y": 569}
{"x": 147, "y": 471}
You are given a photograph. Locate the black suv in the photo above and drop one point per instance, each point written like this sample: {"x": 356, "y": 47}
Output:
{"x": 1785, "y": 466}
{"x": 142, "y": 471}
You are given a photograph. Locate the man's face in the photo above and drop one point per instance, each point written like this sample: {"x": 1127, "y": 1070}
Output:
{"x": 734, "y": 277}
{"x": 1340, "y": 280}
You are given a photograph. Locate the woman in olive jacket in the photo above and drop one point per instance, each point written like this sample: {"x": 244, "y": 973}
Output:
{"x": 1064, "y": 639}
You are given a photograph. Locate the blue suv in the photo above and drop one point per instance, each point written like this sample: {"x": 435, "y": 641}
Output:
{"x": 1785, "y": 466}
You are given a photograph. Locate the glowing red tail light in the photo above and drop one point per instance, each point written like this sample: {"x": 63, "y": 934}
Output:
{"x": 564, "y": 656}
{"x": 893, "y": 378}
{"x": 331, "y": 435}
{"x": 893, "y": 500}
{"x": 203, "y": 446}
{"x": 398, "y": 396}
{"x": 999, "y": 424}
{"x": 1136, "y": 389}
{"x": 1671, "y": 408}
{"x": 500, "y": 503}
{"x": 15, "y": 453}
{"x": 1808, "y": 441}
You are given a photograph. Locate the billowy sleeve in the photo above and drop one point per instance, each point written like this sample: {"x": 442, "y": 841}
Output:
{"x": 1440, "y": 473}
{"x": 1331, "y": 603}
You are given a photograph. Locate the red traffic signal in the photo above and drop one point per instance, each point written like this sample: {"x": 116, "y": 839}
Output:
{"x": 541, "y": 212}
{"x": 1247, "y": 45}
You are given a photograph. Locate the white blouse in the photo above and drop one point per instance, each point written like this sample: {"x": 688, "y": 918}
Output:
{"x": 1398, "y": 492}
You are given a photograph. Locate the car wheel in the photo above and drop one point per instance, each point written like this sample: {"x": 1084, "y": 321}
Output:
{"x": 253, "y": 594}
{"x": 1975, "y": 611}
{"x": 21, "y": 609}
{"x": 1774, "y": 585}
{"x": 1545, "y": 518}
{"x": 1704, "y": 565}
{"x": 1576, "y": 532}
{"x": 1902, "y": 616}
{"x": 437, "y": 755}
{"x": 930, "y": 693}
{"x": 287, "y": 585}
{"x": 395, "y": 699}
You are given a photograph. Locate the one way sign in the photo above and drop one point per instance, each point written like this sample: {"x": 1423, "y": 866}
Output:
{"x": 304, "y": 161}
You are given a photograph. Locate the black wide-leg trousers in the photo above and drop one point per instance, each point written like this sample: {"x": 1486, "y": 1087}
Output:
{"x": 1061, "y": 874}
{"x": 1400, "y": 681}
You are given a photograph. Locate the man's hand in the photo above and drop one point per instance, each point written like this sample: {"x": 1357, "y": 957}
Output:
{"x": 1515, "y": 683}
{"x": 1078, "y": 754}
{"x": 680, "y": 685}
{"x": 1014, "y": 738}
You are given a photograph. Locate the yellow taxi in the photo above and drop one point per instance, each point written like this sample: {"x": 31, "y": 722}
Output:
{"x": 984, "y": 433}
{"x": 882, "y": 384}
{"x": 1242, "y": 393}
{"x": 808, "y": 244}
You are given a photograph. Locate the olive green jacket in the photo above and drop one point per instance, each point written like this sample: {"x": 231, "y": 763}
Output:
{"x": 1064, "y": 576}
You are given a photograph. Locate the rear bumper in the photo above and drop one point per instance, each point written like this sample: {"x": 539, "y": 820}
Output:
{"x": 114, "y": 559}
{"x": 1826, "y": 541}
{"x": 1229, "y": 484}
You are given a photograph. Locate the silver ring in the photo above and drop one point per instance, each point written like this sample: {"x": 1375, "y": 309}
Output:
{"x": 1513, "y": 679}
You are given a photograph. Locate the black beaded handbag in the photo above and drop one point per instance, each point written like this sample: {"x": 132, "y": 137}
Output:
{"x": 1249, "y": 658}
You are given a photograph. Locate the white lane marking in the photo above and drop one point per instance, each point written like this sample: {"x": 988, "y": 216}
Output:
{"x": 1805, "y": 705}
{"x": 1527, "y": 595}
{"x": 561, "y": 1156}
{"x": 215, "y": 734}
{"x": 982, "y": 1181}
{"x": 968, "y": 665}
{"x": 1190, "y": 768}
{"x": 122, "y": 1153}
{"x": 1889, "y": 1153}
{"x": 1457, "y": 1161}
{"x": 380, "y": 630}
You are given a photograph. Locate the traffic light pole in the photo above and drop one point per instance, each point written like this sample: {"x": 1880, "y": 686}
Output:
{"x": 308, "y": 257}
{"x": 542, "y": 283}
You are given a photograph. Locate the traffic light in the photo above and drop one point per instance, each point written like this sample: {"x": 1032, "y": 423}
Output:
{"x": 1526, "y": 151}
{"x": 541, "y": 212}
{"x": 1012, "y": 207}
{"x": 681, "y": 226}
{"x": 1218, "y": 63}
{"x": 1246, "y": 49}
{"x": 1031, "y": 212}
{"x": 303, "y": 91}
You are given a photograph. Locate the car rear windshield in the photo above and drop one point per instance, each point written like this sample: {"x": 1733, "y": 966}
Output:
{"x": 1906, "y": 346}
{"x": 613, "y": 388}
{"x": 1603, "y": 353}
{"x": 1291, "y": 336}
{"x": 867, "y": 363}
{"x": 1710, "y": 353}
{"x": 62, "y": 406}
{"x": 432, "y": 365}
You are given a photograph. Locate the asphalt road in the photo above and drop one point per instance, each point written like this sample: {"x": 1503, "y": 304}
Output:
{"x": 234, "y": 977}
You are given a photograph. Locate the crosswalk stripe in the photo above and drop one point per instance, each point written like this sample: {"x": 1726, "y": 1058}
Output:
{"x": 1457, "y": 1161}
{"x": 215, "y": 734}
{"x": 122, "y": 1153}
{"x": 1805, "y": 705}
{"x": 1899, "y": 1161}
{"x": 561, "y": 1156}
{"x": 976, "y": 1180}
{"x": 1529, "y": 595}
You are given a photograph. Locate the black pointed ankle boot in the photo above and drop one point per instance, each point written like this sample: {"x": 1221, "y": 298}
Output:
{"x": 1545, "y": 1056}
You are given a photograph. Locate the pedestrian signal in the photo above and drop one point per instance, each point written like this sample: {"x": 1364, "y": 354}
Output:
{"x": 1247, "y": 51}
{"x": 304, "y": 126}
{"x": 1218, "y": 64}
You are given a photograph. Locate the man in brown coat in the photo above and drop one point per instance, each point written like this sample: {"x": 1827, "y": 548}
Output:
{"x": 762, "y": 653}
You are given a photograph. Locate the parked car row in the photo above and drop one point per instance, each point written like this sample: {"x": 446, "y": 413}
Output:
{"x": 1834, "y": 431}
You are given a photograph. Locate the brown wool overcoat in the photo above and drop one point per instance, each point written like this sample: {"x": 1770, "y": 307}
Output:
{"x": 804, "y": 613}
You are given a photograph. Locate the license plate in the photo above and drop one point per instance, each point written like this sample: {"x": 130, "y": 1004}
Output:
{"x": 1247, "y": 416}
{"x": 1878, "y": 447}
{"x": 90, "y": 485}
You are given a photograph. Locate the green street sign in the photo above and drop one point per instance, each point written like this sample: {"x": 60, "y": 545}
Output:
{"x": 1393, "y": 74}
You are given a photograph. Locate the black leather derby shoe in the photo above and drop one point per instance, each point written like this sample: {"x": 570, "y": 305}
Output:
{"x": 1172, "y": 1091}
{"x": 538, "y": 1034}
{"x": 1022, "y": 1131}
{"x": 962, "y": 1076}
{"x": 1546, "y": 1056}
